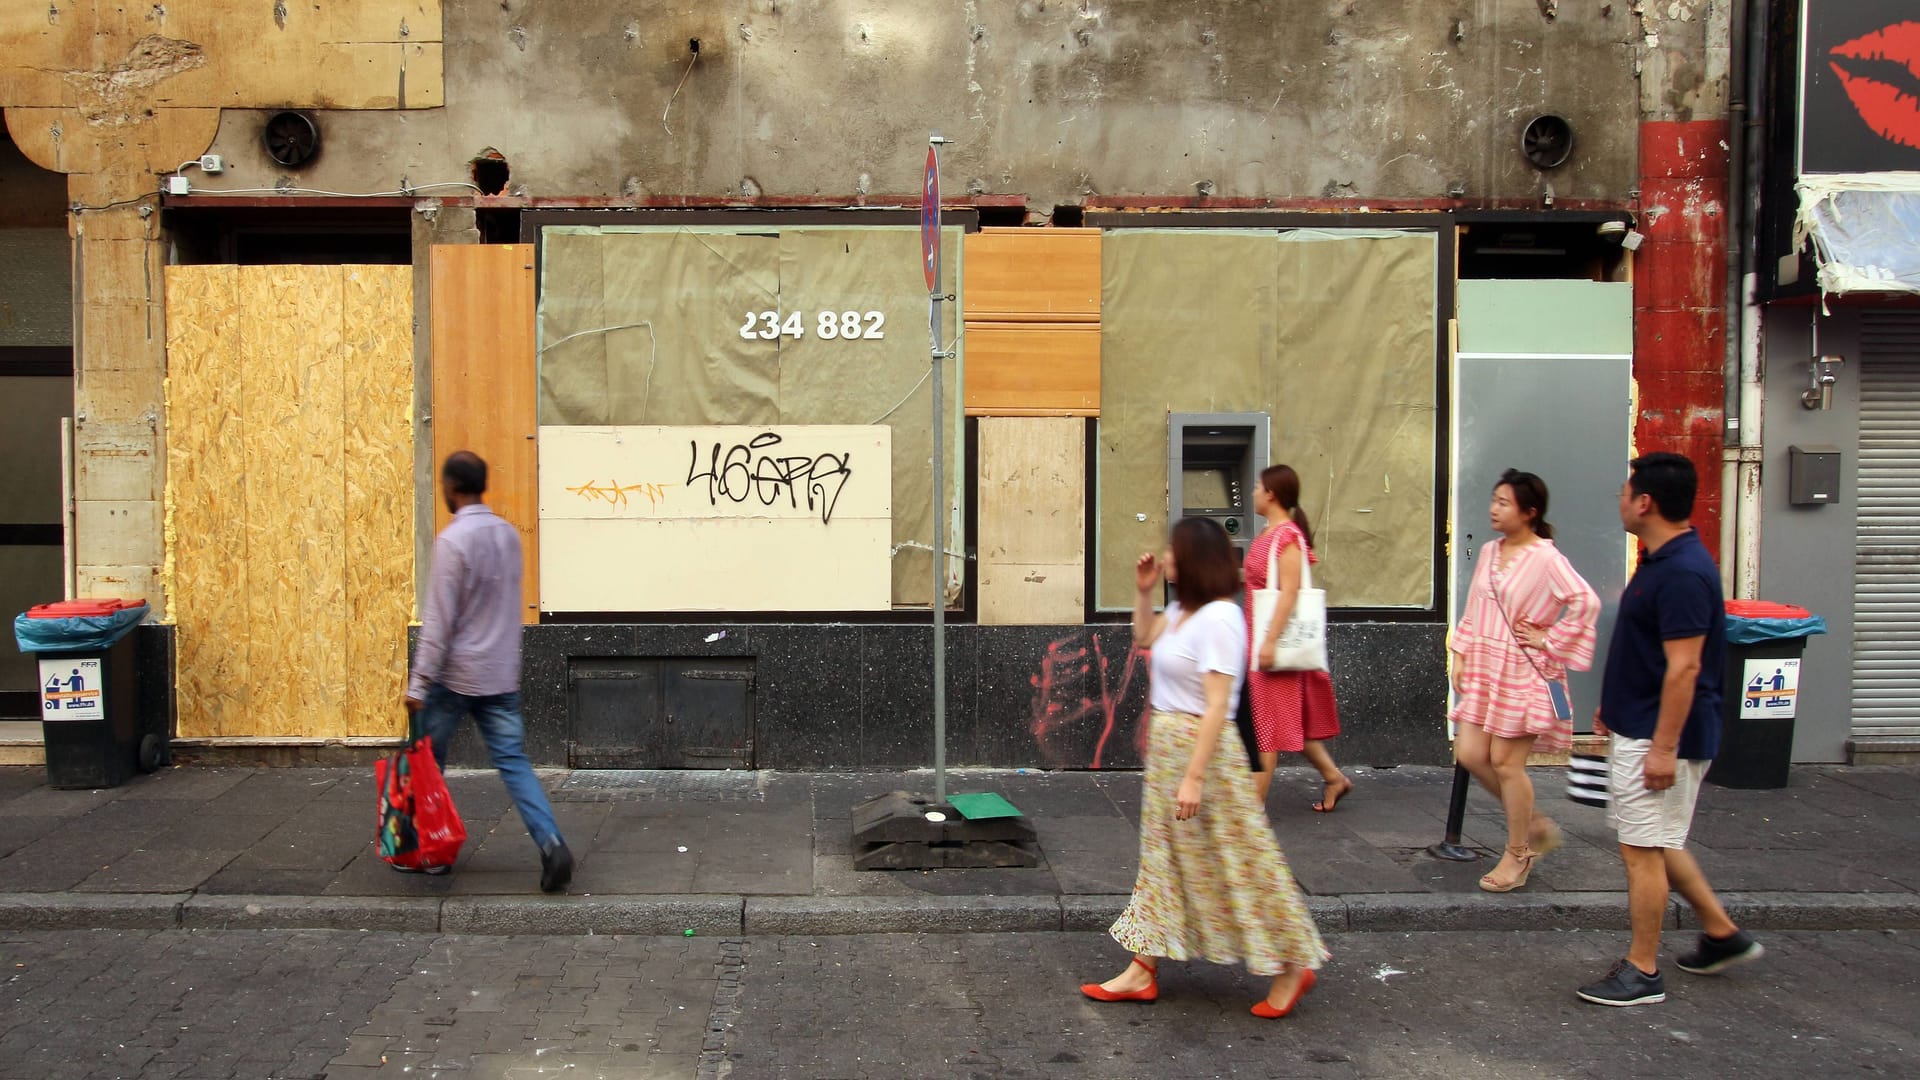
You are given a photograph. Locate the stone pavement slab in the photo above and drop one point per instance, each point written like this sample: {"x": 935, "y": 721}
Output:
{"x": 643, "y": 840}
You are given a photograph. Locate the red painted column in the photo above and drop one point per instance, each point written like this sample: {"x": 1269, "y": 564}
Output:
{"x": 1679, "y": 302}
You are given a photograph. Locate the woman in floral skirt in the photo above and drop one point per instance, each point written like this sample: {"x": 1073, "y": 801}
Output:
{"x": 1213, "y": 884}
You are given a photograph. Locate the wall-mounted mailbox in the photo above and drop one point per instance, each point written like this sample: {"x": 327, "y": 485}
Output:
{"x": 1813, "y": 475}
{"x": 1214, "y": 463}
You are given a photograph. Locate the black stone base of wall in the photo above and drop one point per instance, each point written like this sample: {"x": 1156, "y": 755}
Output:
{"x": 861, "y": 696}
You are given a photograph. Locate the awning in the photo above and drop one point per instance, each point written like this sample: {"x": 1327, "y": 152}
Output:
{"x": 1865, "y": 229}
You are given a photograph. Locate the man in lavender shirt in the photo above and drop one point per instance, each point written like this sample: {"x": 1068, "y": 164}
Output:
{"x": 468, "y": 658}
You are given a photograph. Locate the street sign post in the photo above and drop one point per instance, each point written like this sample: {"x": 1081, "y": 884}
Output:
{"x": 930, "y": 258}
{"x": 899, "y": 830}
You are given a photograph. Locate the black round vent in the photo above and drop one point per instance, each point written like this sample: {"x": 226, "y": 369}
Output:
{"x": 1547, "y": 141}
{"x": 291, "y": 138}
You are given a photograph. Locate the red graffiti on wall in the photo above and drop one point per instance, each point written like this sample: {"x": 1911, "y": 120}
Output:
{"x": 1077, "y": 687}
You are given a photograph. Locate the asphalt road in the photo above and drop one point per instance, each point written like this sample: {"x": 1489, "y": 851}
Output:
{"x": 287, "y": 1004}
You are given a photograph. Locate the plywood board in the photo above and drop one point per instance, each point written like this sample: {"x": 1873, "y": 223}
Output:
{"x": 289, "y": 539}
{"x": 1043, "y": 275}
{"x": 290, "y": 320}
{"x": 716, "y": 518}
{"x": 486, "y": 383}
{"x": 207, "y": 568}
{"x": 1032, "y": 520}
{"x": 1033, "y": 369}
{"x": 377, "y": 463}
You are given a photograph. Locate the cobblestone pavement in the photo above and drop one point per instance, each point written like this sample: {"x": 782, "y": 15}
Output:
{"x": 285, "y": 1004}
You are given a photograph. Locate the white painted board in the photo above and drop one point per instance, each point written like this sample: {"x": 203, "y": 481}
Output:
{"x": 716, "y": 519}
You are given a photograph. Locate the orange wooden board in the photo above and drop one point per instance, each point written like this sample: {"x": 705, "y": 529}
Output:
{"x": 1033, "y": 275}
{"x": 1033, "y": 369}
{"x": 485, "y": 384}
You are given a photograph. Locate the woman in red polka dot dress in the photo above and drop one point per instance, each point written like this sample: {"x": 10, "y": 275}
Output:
{"x": 1293, "y": 711}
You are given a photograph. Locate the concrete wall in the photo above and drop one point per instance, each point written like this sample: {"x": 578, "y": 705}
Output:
{"x": 1806, "y": 552}
{"x": 1052, "y": 99}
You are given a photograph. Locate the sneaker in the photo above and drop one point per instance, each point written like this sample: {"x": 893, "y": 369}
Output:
{"x": 1716, "y": 955}
{"x": 1626, "y": 985}
{"x": 556, "y": 866}
{"x": 435, "y": 870}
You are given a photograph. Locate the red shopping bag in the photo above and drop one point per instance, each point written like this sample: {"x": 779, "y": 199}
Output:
{"x": 418, "y": 825}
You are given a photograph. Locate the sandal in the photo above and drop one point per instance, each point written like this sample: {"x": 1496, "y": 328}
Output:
{"x": 1330, "y": 795}
{"x": 1525, "y": 855}
{"x": 1147, "y": 995}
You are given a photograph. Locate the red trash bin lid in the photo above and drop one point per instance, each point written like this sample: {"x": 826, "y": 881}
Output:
{"x": 79, "y": 609}
{"x": 1765, "y": 609}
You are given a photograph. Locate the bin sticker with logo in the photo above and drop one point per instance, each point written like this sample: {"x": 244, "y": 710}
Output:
{"x": 1771, "y": 688}
{"x": 71, "y": 690}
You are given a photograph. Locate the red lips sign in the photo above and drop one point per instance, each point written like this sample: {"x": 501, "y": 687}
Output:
{"x": 1861, "y": 83}
{"x": 1888, "y": 110}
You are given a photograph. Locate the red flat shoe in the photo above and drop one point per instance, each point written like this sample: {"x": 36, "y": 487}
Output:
{"x": 1267, "y": 1012}
{"x": 1145, "y": 996}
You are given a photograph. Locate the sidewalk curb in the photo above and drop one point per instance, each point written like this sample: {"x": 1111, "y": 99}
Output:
{"x": 733, "y": 915}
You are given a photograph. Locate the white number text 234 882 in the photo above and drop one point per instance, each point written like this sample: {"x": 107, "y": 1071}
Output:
{"x": 829, "y": 325}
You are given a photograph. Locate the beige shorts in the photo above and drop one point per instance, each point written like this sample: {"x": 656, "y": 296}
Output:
{"x": 1650, "y": 819}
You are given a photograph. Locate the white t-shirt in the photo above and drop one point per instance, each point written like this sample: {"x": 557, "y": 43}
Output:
{"x": 1211, "y": 639}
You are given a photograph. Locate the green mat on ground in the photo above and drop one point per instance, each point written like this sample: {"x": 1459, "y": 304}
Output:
{"x": 982, "y": 805}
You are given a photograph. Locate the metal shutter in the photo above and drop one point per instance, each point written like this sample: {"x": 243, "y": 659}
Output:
{"x": 1886, "y": 634}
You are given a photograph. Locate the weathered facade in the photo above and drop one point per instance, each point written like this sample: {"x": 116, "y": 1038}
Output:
{"x": 1153, "y": 209}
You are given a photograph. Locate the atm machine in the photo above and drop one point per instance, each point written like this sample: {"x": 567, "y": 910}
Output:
{"x": 1213, "y": 465}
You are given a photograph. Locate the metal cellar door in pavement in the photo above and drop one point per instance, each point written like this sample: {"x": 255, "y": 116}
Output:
{"x": 627, "y": 713}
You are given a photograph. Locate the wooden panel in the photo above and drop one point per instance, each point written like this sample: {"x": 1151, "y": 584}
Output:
{"x": 1032, "y": 520}
{"x": 207, "y": 577}
{"x": 378, "y": 462}
{"x": 716, "y": 518}
{"x": 289, "y": 497}
{"x": 485, "y": 383}
{"x": 302, "y": 469}
{"x": 1044, "y": 275}
{"x": 1033, "y": 369}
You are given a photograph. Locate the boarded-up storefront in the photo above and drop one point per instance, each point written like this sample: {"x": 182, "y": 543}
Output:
{"x": 290, "y": 497}
{"x": 779, "y": 328}
{"x": 1334, "y": 334}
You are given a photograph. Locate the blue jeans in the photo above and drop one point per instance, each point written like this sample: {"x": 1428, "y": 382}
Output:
{"x": 497, "y": 717}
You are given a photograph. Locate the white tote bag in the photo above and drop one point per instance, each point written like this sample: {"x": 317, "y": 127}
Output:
{"x": 1303, "y": 644}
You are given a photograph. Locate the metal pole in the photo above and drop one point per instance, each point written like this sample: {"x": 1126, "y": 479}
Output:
{"x": 1450, "y": 848}
{"x": 939, "y": 520}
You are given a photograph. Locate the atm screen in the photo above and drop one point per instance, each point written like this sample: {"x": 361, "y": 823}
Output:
{"x": 1207, "y": 490}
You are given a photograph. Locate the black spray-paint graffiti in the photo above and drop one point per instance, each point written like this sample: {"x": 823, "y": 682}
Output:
{"x": 756, "y": 469}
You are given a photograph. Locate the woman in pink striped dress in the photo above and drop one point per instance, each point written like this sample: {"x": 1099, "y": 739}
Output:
{"x": 1528, "y": 618}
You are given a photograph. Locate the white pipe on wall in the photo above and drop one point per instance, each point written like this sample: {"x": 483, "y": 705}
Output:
{"x": 66, "y": 508}
{"x": 1746, "y": 584}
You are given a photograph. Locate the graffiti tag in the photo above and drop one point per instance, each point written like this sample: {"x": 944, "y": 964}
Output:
{"x": 756, "y": 469}
{"x": 1079, "y": 693}
{"x": 614, "y": 493}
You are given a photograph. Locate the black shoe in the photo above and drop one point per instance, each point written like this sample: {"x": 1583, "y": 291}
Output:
{"x": 556, "y": 866}
{"x": 1716, "y": 955}
{"x": 1626, "y": 985}
{"x": 436, "y": 870}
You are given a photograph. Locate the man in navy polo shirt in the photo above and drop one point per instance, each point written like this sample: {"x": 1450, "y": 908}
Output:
{"x": 1660, "y": 700}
